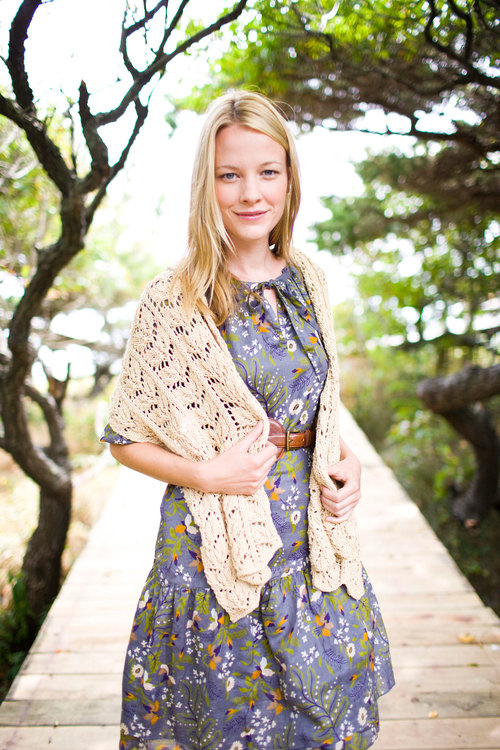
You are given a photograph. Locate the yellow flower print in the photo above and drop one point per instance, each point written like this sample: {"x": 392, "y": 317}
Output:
{"x": 281, "y": 625}
{"x": 152, "y": 715}
{"x": 197, "y": 561}
{"x": 272, "y": 485}
{"x": 276, "y": 698}
{"x": 214, "y": 656}
{"x": 194, "y": 622}
{"x": 259, "y": 321}
{"x": 164, "y": 670}
{"x": 262, "y": 669}
{"x": 324, "y": 624}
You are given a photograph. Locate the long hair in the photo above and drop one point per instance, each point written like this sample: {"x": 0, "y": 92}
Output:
{"x": 203, "y": 273}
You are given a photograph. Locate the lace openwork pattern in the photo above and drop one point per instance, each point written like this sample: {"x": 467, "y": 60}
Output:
{"x": 179, "y": 388}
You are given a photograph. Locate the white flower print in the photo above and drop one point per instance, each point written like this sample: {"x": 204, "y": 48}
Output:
{"x": 295, "y": 406}
{"x": 339, "y": 745}
{"x": 265, "y": 669}
{"x": 213, "y": 620}
{"x": 362, "y": 716}
{"x": 147, "y": 685}
{"x": 350, "y": 650}
{"x": 303, "y": 417}
{"x": 291, "y": 345}
{"x": 191, "y": 528}
{"x": 137, "y": 670}
{"x": 295, "y": 517}
{"x": 236, "y": 746}
{"x": 229, "y": 684}
{"x": 144, "y": 600}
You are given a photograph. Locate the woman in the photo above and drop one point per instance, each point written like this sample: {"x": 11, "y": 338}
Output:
{"x": 257, "y": 628}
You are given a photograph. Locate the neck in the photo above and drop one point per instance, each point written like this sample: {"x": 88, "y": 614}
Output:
{"x": 254, "y": 264}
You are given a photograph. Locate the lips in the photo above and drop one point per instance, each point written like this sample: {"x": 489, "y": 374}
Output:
{"x": 251, "y": 214}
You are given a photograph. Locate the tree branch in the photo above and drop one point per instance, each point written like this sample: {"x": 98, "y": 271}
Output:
{"x": 454, "y": 392}
{"x": 97, "y": 148}
{"x": 159, "y": 64}
{"x": 47, "y": 152}
{"x": 141, "y": 114}
{"x": 15, "y": 60}
{"x": 58, "y": 449}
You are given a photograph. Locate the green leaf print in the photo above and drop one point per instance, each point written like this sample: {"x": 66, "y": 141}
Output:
{"x": 327, "y": 704}
{"x": 195, "y": 719}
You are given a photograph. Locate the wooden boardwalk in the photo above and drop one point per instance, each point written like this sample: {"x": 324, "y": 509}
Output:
{"x": 445, "y": 642}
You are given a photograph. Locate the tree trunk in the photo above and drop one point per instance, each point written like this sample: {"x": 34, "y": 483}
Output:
{"x": 42, "y": 561}
{"x": 458, "y": 398}
{"x": 475, "y": 425}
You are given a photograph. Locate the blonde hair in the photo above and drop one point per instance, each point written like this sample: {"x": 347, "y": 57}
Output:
{"x": 203, "y": 273}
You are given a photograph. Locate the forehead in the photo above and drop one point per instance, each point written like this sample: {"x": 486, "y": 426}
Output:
{"x": 240, "y": 144}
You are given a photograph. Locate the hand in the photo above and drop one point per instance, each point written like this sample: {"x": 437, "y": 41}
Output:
{"x": 341, "y": 502}
{"x": 236, "y": 471}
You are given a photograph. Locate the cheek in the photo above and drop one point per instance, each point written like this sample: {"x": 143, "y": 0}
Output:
{"x": 278, "y": 194}
{"x": 224, "y": 194}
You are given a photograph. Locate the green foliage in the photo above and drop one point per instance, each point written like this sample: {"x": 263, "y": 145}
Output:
{"x": 28, "y": 203}
{"x": 428, "y": 458}
{"x": 424, "y": 273}
{"x": 17, "y": 630}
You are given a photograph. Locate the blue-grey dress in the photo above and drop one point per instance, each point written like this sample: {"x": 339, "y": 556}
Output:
{"x": 304, "y": 670}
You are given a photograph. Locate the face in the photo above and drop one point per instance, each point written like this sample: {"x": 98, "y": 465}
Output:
{"x": 251, "y": 183}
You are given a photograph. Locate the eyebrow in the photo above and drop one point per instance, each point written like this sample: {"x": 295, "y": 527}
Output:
{"x": 264, "y": 164}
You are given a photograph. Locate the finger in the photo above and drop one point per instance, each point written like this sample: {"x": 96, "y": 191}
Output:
{"x": 339, "y": 478}
{"x": 342, "y": 515}
{"x": 339, "y": 504}
{"x": 251, "y": 437}
{"x": 346, "y": 498}
{"x": 328, "y": 495}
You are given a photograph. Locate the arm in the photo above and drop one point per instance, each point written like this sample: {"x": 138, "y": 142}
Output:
{"x": 340, "y": 503}
{"x": 234, "y": 472}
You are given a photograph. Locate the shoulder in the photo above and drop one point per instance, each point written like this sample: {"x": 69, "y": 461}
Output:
{"x": 159, "y": 286}
{"x": 163, "y": 289}
{"x": 160, "y": 300}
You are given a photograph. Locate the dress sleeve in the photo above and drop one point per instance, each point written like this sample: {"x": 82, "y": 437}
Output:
{"x": 110, "y": 436}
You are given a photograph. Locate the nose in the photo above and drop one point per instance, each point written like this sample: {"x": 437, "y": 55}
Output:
{"x": 250, "y": 192}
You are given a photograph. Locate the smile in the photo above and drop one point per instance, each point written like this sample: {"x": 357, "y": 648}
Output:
{"x": 251, "y": 215}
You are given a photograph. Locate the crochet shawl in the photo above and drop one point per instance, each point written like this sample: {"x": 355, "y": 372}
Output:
{"x": 179, "y": 388}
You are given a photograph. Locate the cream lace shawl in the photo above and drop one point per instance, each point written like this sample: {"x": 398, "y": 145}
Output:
{"x": 179, "y": 388}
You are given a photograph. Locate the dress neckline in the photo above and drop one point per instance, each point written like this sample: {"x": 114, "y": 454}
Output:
{"x": 282, "y": 276}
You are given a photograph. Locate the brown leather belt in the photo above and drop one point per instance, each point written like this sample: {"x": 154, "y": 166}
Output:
{"x": 287, "y": 440}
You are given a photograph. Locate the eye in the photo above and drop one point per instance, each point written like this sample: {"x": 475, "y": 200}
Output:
{"x": 228, "y": 176}
{"x": 269, "y": 172}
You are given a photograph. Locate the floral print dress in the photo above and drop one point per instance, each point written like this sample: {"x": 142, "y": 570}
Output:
{"x": 304, "y": 670}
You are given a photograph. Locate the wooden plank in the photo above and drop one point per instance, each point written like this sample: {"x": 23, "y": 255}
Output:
{"x": 82, "y": 643}
{"x": 56, "y": 713}
{"x": 31, "y": 687}
{"x": 440, "y": 734}
{"x": 450, "y": 635}
{"x": 60, "y": 738}
{"x": 438, "y": 656}
{"x": 61, "y": 662}
{"x": 407, "y": 704}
